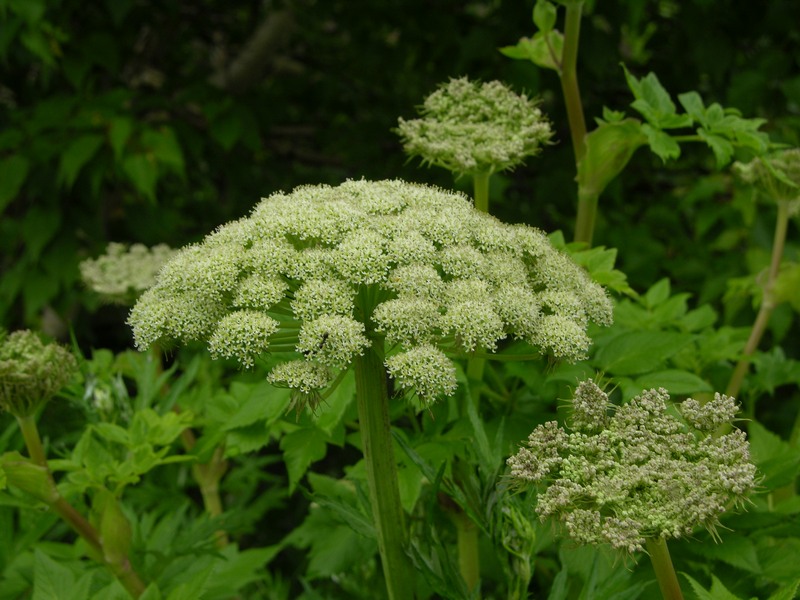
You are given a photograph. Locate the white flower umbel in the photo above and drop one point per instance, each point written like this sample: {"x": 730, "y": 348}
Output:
{"x": 625, "y": 475}
{"x": 328, "y": 272}
{"x": 468, "y": 128}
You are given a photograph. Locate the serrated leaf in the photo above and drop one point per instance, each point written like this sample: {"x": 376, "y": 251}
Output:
{"x": 675, "y": 381}
{"x": 699, "y": 318}
{"x": 75, "y": 157}
{"x": 787, "y": 592}
{"x": 258, "y": 402}
{"x": 142, "y": 172}
{"x": 544, "y": 15}
{"x": 736, "y": 550}
{"x": 164, "y": 146}
{"x": 300, "y": 449}
{"x": 693, "y": 105}
{"x": 333, "y": 409}
{"x": 13, "y": 173}
{"x": 638, "y": 352}
{"x": 658, "y": 293}
{"x": 119, "y": 132}
{"x": 775, "y": 458}
{"x": 51, "y": 581}
{"x": 653, "y": 102}
{"x": 722, "y": 148}
{"x": 661, "y": 143}
{"x": 537, "y": 50}
{"x": 608, "y": 150}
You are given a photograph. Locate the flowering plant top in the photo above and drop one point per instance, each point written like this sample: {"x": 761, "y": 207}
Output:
{"x": 468, "y": 128}
{"x": 31, "y": 372}
{"x": 638, "y": 473}
{"x": 326, "y": 272}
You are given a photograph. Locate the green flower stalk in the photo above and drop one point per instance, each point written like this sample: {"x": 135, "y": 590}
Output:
{"x": 388, "y": 278}
{"x": 475, "y": 129}
{"x": 31, "y": 373}
{"x": 776, "y": 178}
{"x": 121, "y": 274}
{"x": 636, "y": 475}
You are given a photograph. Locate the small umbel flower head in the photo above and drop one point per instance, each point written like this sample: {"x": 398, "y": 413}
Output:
{"x": 468, "y": 128}
{"x": 775, "y": 177}
{"x": 641, "y": 472}
{"x": 122, "y": 274}
{"x": 412, "y": 271}
{"x": 31, "y": 372}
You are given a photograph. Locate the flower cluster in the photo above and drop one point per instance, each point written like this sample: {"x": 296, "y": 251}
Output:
{"x": 31, "y": 372}
{"x": 325, "y": 272}
{"x": 122, "y": 274}
{"x": 628, "y": 473}
{"x": 776, "y": 177}
{"x": 470, "y": 128}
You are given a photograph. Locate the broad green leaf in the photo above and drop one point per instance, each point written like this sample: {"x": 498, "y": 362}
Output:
{"x": 301, "y": 448}
{"x": 76, "y": 155}
{"x": 13, "y": 172}
{"x": 637, "y": 352}
{"x": 786, "y": 592}
{"x": 38, "y": 229}
{"x": 119, "y": 132}
{"x": 736, "y": 550}
{"x": 608, "y": 150}
{"x": 164, "y": 146}
{"x": 661, "y": 143}
{"x": 142, "y": 172}
{"x": 658, "y": 293}
{"x": 717, "y": 592}
{"x": 654, "y": 103}
{"x": 775, "y": 458}
{"x": 698, "y": 319}
{"x": 544, "y": 15}
{"x": 538, "y": 51}
{"x": 774, "y": 369}
{"x": 334, "y": 407}
{"x": 674, "y": 381}
{"x": 786, "y": 286}
{"x": 53, "y": 581}
{"x": 694, "y": 106}
{"x": 260, "y": 402}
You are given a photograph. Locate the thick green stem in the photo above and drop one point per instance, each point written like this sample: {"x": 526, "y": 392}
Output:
{"x": 767, "y": 304}
{"x": 480, "y": 183}
{"x": 587, "y": 213}
{"x": 569, "y": 79}
{"x": 30, "y": 433}
{"x": 665, "y": 572}
{"x": 373, "y": 415}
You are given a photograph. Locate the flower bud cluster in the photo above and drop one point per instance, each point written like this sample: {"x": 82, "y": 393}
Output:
{"x": 470, "y": 128}
{"x": 623, "y": 474}
{"x": 31, "y": 372}
{"x": 122, "y": 274}
{"x": 327, "y": 271}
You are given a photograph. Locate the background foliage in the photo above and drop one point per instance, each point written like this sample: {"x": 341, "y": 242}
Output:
{"x": 141, "y": 121}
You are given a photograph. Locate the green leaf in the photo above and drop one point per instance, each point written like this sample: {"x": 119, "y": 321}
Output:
{"x": 336, "y": 404}
{"x": 537, "y": 50}
{"x": 75, "y": 157}
{"x": 544, "y": 15}
{"x": 636, "y": 352}
{"x": 661, "y": 143}
{"x": 722, "y": 148}
{"x": 694, "y": 106}
{"x": 674, "y": 381}
{"x": 608, "y": 150}
{"x": 13, "y": 172}
{"x": 227, "y": 129}
{"x": 38, "y": 229}
{"x": 787, "y": 592}
{"x": 717, "y": 592}
{"x": 53, "y": 581}
{"x": 259, "y": 402}
{"x": 736, "y": 550}
{"x": 774, "y": 369}
{"x": 657, "y": 294}
{"x": 300, "y": 449}
{"x": 654, "y": 103}
{"x": 142, "y": 172}
{"x": 698, "y": 319}
{"x": 119, "y": 132}
{"x": 774, "y": 457}
{"x": 164, "y": 146}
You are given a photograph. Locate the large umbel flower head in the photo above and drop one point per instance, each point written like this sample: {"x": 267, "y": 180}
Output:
{"x": 413, "y": 270}
{"x": 638, "y": 473}
{"x": 468, "y": 128}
